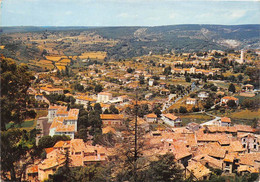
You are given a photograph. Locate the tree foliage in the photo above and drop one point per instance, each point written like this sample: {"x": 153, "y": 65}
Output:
{"x": 15, "y": 81}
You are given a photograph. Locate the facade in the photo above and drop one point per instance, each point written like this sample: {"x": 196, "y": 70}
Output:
{"x": 63, "y": 122}
{"x": 151, "y": 118}
{"x": 250, "y": 142}
{"x": 203, "y": 95}
{"x": 104, "y": 97}
{"x": 191, "y": 101}
{"x": 225, "y": 121}
{"x": 225, "y": 99}
{"x": 112, "y": 119}
{"x": 84, "y": 100}
{"x": 171, "y": 119}
{"x": 50, "y": 90}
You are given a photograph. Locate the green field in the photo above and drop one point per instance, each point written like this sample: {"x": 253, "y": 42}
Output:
{"x": 197, "y": 118}
{"x": 25, "y": 124}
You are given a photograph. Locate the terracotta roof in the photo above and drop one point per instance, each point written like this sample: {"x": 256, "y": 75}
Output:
{"x": 229, "y": 98}
{"x": 104, "y": 93}
{"x": 180, "y": 150}
{"x": 225, "y": 120}
{"x": 85, "y": 98}
{"x": 51, "y": 162}
{"x": 32, "y": 169}
{"x": 77, "y": 145}
{"x": 108, "y": 129}
{"x": 111, "y": 116}
{"x": 236, "y": 146}
{"x": 48, "y": 150}
{"x": 60, "y": 144}
{"x": 243, "y": 168}
{"x": 244, "y": 128}
{"x": 152, "y": 115}
{"x": 171, "y": 116}
{"x": 50, "y": 89}
{"x": 198, "y": 170}
{"x": 191, "y": 99}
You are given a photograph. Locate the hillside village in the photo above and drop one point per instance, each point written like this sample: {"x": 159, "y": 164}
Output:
{"x": 183, "y": 104}
{"x": 200, "y": 107}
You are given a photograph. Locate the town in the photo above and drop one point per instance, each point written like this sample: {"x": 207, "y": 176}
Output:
{"x": 202, "y": 108}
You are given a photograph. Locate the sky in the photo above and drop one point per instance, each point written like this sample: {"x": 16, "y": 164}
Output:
{"x": 128, "y": 12}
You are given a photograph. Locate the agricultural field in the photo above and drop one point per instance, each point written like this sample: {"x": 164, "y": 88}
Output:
{"x": 93, "y": 55}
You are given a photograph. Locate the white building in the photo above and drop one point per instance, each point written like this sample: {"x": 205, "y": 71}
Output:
{"x": 191, "y": 101}
{"x": 203, "y": 95}
{"x": 63, "y": 122}
{"x": 104, "y": 97}
{"x": 49, "y": 90}
{"x": 171, "y": 119}
{"x": 84, "y": 100}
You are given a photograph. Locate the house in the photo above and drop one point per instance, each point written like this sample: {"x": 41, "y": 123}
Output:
{"x": 151, "y": 118}
{"x": 112, "y": 119}
{"x": 148, "y": 96}
{"x": 225, "y": 121}
{"x": 80, "y": 154}
{"x": 150, "y": 83}
{"x": 225, "y": 99}
{"x": 171, "y": 119}
{"x": 250, "y": 142}
{"x": 203, "y": 95}
{"x": 165, "y": 92}
{"x": 51, "y": 90}
{"x": 63, "y": 122}
{"x": 84, "y": 100}
{"x": 104, "y": 97}
{"x": 248, "y": 88}
{"x": 32, "y": 173}
{"x": 52, "y": 110}
{"x": 191, "y": 101}
{"x": 198, "y": 171}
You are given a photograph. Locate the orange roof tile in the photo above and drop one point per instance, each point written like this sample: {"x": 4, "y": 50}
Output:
{"x": 111, "y": 116}
{"x": 171, "y": 116}
{"x": 152, "y": 115}
{"x": 225, "y": 120}
{"x": 230, "y": 98}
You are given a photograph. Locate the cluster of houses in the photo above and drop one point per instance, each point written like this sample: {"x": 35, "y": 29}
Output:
{"x": 197, "y": 149}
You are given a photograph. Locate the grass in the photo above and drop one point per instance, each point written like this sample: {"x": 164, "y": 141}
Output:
{"x": 242, "y": 98}
{"x": 25, "y": 124}
{"x": 28, "y": 124}
{"x": 197, "y": 118}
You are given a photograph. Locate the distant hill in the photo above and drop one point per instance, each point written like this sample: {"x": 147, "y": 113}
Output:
{"x": 136, "y": 41}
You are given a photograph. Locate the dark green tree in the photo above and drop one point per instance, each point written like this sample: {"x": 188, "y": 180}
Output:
{"x": 15, "y": 81}
{"x": 165, "y": 170}
{"x": 232, "y": 88}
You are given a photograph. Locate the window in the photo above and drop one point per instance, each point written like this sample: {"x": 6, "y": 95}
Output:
{"x": 244, "y": 145}
{"x": 243, "y": 140}
{"x": 255, "y": 146}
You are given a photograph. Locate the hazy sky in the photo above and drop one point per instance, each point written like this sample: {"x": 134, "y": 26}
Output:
{"x": 128, "y": 12}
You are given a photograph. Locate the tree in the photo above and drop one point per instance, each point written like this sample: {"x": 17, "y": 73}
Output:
{"x": 113, "y": 109}
{"x": 232, "y": 88}
{"x": 11, "y": 152}
{"x": 15, "y": 81}
{"x": 187, "y": 79}
{"x": 182, "y": 109}
{"x": 141, "y": 79}
{"x": 231, "y": 104}
{"x": 164, "y": 170}
{"x": 98, "y": 88}
{"x": 158, "y": 112}
{"x": 98, "y": 108}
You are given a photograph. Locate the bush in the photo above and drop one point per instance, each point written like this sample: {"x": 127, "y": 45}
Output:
{"x": 183, "y": 109}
